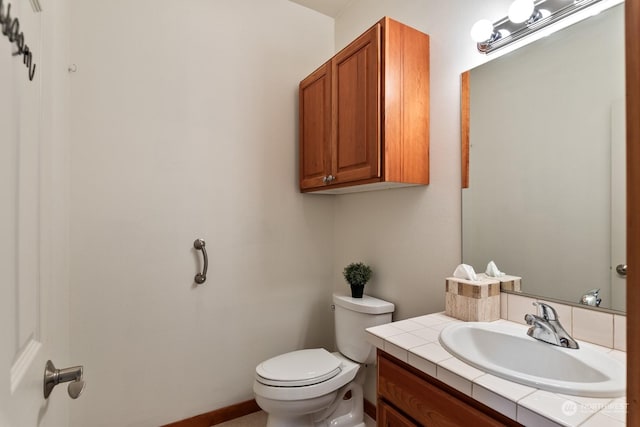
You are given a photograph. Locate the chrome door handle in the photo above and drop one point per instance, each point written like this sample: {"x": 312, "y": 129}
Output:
{"x": 201, "y": 277}
{"x": 53, "y": 377}
{"x": 621, "y": 269}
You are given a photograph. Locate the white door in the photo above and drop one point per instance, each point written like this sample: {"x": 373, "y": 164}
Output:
{"x": 618, "y": 206}
{"x": 27, "y": 286}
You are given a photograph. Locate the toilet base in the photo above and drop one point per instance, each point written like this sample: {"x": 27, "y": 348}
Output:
{"x": 339, "y": 412}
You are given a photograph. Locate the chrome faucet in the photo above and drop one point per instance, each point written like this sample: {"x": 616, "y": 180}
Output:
{"x": 546, "y": 327}
{"x": 591, "y": 298}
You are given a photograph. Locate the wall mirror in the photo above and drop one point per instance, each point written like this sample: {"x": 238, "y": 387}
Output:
{"x": 545, "y": 198}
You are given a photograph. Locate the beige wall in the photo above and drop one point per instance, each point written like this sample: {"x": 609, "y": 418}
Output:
{"x": 412, "y": 237}
{"x": 184, "y": 126}
{"x": 184, "y": 121}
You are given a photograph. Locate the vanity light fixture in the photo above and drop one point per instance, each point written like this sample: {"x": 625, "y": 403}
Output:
{"x": 520, "y": 11}
{"x": 526, "y": 17}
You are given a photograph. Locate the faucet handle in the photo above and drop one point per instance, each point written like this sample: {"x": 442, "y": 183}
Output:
{"x": 546, "y": 311}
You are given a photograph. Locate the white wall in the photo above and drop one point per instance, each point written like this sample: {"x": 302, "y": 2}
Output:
{"x": 54, "y": 170}
{"x": 411, "y": 237}
{"x": 184, "y": 126}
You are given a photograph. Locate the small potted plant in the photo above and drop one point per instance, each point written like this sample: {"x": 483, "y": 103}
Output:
{"x": 357, "y": 274}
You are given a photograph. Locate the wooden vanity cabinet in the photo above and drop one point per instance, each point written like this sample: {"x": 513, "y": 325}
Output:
{"x": 409, "y": 397}
{"x": 364, "y": 114}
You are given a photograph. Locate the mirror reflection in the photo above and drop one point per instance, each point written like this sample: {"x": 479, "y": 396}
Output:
{"x": 545, "y": 199}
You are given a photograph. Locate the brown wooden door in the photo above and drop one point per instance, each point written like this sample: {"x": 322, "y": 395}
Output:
{"x": 315, "y": 127}
{"x": 389, "y": 417}
{"x": 356, "y": 106}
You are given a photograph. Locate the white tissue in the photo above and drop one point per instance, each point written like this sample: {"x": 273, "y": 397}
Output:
{"x": 492, "y": 270}
{"x": 465, "y": 271}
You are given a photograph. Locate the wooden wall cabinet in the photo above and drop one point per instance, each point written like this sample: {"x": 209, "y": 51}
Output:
{"x": 364, "y": 114}
{"x": 409, "y": 397}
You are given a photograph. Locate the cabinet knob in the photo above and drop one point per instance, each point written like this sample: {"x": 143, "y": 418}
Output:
{"x": 328, "y": 179}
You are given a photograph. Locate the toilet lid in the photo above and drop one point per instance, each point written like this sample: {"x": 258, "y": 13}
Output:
{"x": 298, "y": 368}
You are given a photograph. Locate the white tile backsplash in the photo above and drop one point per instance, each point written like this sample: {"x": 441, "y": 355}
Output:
{"x": 518, "y": 306}
{"x": 589, "y": 326}
{"x": 620, "y": 332}
{"x": 504, "y": 306}
{"x": 593, "y": 326}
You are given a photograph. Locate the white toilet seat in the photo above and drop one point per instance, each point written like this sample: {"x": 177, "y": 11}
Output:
{"x": 347, "y": 372}
{"x": 298, "y": 368}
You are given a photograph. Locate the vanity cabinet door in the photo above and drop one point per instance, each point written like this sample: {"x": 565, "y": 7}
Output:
{"x": 428, "y": 401}
{"x": 389, "y": 417}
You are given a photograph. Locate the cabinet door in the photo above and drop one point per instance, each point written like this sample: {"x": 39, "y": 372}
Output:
{"x": 389, "y": 417}
{"x": 315, "y": 127}
{"x": 356, "y": 102}
{"x": 429, "y": 404}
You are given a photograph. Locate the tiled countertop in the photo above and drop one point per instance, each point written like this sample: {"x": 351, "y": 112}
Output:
{"x": 415, "y": 341}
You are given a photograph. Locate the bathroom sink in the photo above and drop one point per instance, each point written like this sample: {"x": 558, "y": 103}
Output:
{"x": 506, "y": 351}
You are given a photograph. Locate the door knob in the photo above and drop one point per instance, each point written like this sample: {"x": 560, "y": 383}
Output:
{"x": 53, "y": 377}
{"x": 621, "y": 269}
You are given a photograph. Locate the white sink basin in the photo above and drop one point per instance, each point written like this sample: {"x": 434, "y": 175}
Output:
{"x": 506, "y": 351}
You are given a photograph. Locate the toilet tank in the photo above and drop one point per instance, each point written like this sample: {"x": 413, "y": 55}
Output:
{"x": 352, "y": 317}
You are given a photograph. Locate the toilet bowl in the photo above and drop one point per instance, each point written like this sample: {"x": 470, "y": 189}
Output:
{"x": 314, "y": 387}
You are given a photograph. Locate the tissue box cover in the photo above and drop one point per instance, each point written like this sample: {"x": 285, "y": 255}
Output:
{"x": 473, "y": 301}
{"x": 510, "y": 283}
{"x": 507, "y": 282}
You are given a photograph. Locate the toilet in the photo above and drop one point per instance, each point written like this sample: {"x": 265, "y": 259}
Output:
{"x": 314, "y": 387}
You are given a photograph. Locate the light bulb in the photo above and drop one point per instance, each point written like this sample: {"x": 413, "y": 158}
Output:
{"x": 520, "y": 11}
{"x": 482, "y": 30}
